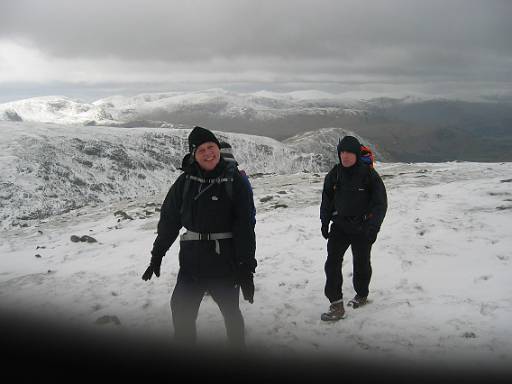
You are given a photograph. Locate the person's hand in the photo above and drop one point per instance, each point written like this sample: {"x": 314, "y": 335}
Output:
{"x": 325, "y": 231}
{"x": 245, "y": 279}
{"x": 247, "y": 286}
{"x": 371, "y": 233}
{"x": 154, "y": 268}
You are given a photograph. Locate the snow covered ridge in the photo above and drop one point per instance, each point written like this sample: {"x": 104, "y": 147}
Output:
{"x": 323, "y": 143}
{"x": 54, "y": 109}
{"x": 259, "y": 105}
{"x": 118, "y": 110}
{"x": 50, "y": 169}
{"x": 406, "y": 129}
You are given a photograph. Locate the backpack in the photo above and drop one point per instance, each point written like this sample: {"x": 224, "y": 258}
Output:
{"x": 367, "y": 155}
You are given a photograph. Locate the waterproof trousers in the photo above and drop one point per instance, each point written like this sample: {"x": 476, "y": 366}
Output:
{"x": 337, "y": 245}
{"x": 186, "y": 299}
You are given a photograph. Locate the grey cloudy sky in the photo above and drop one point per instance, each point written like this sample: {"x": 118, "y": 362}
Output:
{"x": 91, "y": 48}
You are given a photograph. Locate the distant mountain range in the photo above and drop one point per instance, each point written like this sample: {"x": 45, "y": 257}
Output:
{"x": 408, "y": 129}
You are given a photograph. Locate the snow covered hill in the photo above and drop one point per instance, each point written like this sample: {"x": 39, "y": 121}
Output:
{"x": 124, "y": 109}
{"x": 323, "y": 141}
{"x": 55, "y": 109}
{"x": 440, "y": 290}
{"x": 118, "y": 110}
{"x": 49, "y": 169}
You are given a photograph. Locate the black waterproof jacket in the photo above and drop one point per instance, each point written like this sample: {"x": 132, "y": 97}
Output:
{"x": 208, "y": 210}
{"x": 353, "y": 198}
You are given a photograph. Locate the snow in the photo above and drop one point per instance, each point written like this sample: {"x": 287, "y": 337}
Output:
{"x": 49, "y": 169}
{"x": 440, "y": 289}
{"x": 115, "y": 110}
{"x": 258, "y": 105}
{"x": 54, "y": 109}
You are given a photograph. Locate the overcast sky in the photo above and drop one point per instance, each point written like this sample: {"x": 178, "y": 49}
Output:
{"x": 93, "y": 48}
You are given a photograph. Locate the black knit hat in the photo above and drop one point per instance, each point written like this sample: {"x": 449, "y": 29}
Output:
{"x": 198, "y": 136}
{"x": 349, "y": 144}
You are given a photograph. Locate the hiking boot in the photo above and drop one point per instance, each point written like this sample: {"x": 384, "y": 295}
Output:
{"x": 357, "y": 301}
{"x": 335, "y": 313}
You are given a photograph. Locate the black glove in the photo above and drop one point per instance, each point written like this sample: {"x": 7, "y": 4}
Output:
{"x": 154, "y": 267}
{"x": 247, "y": 286}
{"x": 325, "y": 230}
{"x": 371, "y": 233}
{"x": 244, "y": 278}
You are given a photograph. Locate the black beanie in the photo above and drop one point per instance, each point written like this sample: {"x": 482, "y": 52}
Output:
{"x": 200, "y": 136}
{"x": 349, "y": 144}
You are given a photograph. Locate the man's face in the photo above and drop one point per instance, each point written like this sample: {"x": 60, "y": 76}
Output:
{"x": 207, "y": 155}
{"x": 348, "y": 159}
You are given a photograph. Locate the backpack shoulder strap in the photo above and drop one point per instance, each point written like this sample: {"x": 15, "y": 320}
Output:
{"x": 229, "y": 175}
{"x": 186, "y": 187}
{"x": 369, "y": 175}
{"x": 338, "y": 178}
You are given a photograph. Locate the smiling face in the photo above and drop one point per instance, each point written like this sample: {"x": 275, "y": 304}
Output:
{"x": 207, "y": 156}
{"x": 348, "y": 159}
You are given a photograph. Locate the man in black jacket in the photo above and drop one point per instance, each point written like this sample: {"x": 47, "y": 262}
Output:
{"x": 354, "y": 199}
{"x": 217, "y": 253}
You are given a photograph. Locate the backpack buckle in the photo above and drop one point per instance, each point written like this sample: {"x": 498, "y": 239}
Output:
{"x": 204, "y": 236}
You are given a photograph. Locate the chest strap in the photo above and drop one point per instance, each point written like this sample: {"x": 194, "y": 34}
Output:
{"x": 191, "y": 236}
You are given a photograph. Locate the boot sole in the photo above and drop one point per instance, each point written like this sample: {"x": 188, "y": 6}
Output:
{"x": 355, "y": 304}
{"x": 330, "y": 319}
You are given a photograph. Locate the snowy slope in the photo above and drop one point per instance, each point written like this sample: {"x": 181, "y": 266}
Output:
{"x": 440, "y": 291}
{"x": 49, "y": 169}
{"x": 54, "y": 109}
{"x": 259, "y": 105}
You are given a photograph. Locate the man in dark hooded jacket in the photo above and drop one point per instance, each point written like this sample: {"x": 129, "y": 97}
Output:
{"x": 217, "y": 253}
{"x": 354, "y": 199}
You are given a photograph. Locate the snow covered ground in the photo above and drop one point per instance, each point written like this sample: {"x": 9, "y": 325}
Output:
{"x": 440, "y": 289}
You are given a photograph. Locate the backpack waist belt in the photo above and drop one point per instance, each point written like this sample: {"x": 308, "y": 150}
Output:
{"x": 190, "y": 236}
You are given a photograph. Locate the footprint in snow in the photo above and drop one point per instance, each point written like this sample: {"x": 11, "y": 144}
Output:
{"x": 482, "y": 278}
{"x": 406, "y": 265}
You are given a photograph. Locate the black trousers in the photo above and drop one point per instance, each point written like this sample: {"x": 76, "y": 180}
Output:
{"x": 337, "y": 245}
{"x": 186, "y": 299}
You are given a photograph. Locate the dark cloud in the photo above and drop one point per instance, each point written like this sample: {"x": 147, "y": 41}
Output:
{"x": 296, "y": 29}
{"x": 289, "y": 40}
